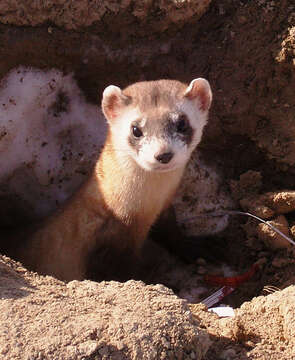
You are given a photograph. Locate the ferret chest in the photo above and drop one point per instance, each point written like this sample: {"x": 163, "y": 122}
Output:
{"x": 146, "y": 196}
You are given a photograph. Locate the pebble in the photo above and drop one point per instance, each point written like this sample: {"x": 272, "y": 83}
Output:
{"x": 292, "y": 229}
{"x": 270, "y": 238}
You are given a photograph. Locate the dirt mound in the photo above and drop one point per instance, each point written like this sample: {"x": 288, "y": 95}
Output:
{"x": 43, "y": 318}
{"x": 261, "y": 329}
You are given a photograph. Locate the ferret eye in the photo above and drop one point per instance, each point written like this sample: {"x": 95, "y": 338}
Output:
{"x": 136, "y": 131}
{"x": 182, "y": 124}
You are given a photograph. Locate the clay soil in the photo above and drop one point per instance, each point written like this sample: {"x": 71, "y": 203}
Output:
{"x": 246, "y": 50}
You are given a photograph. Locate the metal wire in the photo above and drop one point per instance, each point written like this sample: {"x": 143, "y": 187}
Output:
{"x": 236, "y": 212}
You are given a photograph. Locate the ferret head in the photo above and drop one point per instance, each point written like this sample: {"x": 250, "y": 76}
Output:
{"x": 157, "y": 123}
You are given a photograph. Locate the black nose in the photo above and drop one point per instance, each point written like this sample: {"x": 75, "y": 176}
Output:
{"x": 164, "y": 158}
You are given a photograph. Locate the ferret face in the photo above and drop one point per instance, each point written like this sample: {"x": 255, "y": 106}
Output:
{"x": 158, "y": 124}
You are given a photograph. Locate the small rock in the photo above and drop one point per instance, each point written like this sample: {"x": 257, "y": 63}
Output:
{"x": 249, "y": 182}
{"x": 256, "y": 207}
{"x": 271, "y": 238}
{"x": 263, "y": 211}
{"x": 292, "y": 229}
{"x": 281, "y": 202}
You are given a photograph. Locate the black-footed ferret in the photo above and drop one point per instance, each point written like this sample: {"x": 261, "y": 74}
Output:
{"x": 153, "y": 128}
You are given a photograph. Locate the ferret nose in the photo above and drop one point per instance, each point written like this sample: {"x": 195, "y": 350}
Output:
{"x": 164, "y": 158}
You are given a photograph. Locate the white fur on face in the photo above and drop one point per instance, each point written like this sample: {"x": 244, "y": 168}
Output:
{"x": 197, "y": 118}
{"x": 155, "y": 139}
{"x": 154, "y": 146}
{"x": 121, "y": 129}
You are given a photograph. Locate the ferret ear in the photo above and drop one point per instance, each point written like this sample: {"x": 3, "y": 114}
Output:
{"x": 113, "y": 101}
{"x": 200, "y": 90}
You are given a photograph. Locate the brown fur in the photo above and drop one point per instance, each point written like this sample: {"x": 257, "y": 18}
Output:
{"x": 147, "y": 95}
{"x": 116, "y": 213}
{"x": 115, "y": 208}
